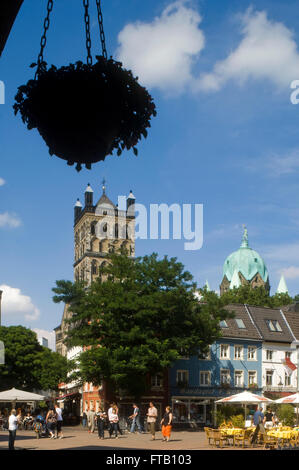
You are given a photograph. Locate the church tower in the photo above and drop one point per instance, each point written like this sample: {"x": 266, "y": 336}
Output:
{"x": 100, "y": 229}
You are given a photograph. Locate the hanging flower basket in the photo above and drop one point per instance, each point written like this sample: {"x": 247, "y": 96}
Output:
{"x": 84, "y": 112}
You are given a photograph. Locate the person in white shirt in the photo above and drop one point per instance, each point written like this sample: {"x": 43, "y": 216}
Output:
{"x": 12, "y": 429}
{"x": 59, "y": 421}
{"x": 152, "y": 415}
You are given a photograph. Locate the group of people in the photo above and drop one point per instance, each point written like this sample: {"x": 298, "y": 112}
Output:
{"x": 91, "y": 419}
{"x": 50, "y": 423}
{"x": 261, "y": 421}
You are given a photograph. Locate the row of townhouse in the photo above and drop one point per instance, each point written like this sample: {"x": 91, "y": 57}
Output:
{"x": 258, "y": 351}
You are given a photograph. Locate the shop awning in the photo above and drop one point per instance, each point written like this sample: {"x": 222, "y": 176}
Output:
{"x": 68, "y": 395}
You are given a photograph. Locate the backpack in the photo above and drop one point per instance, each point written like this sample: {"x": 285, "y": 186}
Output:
{"x": 53, "y": 418}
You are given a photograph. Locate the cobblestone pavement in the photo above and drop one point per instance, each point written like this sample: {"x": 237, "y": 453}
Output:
{"x": 76, "y": 438}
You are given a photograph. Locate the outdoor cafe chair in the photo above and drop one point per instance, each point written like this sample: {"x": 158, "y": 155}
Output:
{"x": 218, "y": 437}
{"x": 270, "y": 442}
{"x": 243, "y": 437}
{"x": 209, "y": 434}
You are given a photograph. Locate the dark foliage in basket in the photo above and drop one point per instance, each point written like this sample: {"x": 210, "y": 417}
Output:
{"x": 84, "y": 112}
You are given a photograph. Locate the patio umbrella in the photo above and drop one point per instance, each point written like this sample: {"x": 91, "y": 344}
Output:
{"x": 292, "y": 399}
{"x": 15, "y": 395}
{"x": 245, "y": 398}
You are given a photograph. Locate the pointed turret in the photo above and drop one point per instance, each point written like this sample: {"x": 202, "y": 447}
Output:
{"x": 88, "y": 196}
{"x": 77, "y": 209}
{"x": 131, "y": 203}
{"x": 235, "y": 282}
{"x": 282, "y": 286}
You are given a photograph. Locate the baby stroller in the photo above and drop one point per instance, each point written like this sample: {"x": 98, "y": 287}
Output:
{"x": 40, "y": 427}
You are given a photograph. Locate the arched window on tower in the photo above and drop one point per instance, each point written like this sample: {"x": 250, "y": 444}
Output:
{"x": 116, "y": 230}
{"x": 93, "y": 267}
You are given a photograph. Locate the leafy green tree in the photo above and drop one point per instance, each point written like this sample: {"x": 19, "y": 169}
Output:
{"x": 28, "y": 365}
{"x": 258, "y": 296}
{"x": 137, "y": 319}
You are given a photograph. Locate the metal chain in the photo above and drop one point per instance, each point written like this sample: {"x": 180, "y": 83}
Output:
{"x": 43, "y": 41}
{"x": 101, "y": 24}
{"x": 87, "y": 29}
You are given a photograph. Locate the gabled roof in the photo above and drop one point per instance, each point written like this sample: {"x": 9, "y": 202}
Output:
{"x": 233, "y": 331}
{"x": 291, "y": 314}
{"x": 262, "y": 316}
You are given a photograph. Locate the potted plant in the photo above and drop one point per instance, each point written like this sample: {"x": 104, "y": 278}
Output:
{"x": 85, "y": 111}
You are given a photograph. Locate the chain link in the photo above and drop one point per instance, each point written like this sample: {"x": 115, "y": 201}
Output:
{"x": 101, "y": 24}
{"x": 87, "y": 30}
{"x": 43, "y": 41}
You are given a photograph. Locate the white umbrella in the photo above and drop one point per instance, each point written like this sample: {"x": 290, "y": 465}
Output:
{"x": 20, "y": 395}
{"x": 245, "y": 398}
{"x": 290, "y": 399}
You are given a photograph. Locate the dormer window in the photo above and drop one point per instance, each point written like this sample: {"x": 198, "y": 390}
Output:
{"x": 273, "y": 325}
{"x": 223, "y": 324}
{"x": 240, "y": 323}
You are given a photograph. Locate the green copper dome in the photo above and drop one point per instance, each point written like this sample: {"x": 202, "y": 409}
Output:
{"x": 246, "y": 261}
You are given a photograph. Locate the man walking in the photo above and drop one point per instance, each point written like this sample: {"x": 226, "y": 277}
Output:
{"x": 59, "y": 421}
{"x": 12, "y": 429}
{"x": 91, "y": 420}
{"x": 136, "y": 419}
{"x": 258, "y": 421}
{"x": 152, "y": 415}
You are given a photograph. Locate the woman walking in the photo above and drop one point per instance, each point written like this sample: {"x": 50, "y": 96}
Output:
{"x": 51, "y": 423}
{"x": 166, "y": 424}
{"x": 113, "y": 419}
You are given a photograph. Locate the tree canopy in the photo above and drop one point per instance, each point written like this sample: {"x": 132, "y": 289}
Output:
{"x": 137, "y": 318}
{"x": 257, "y": 296}
{"x": 28, "y": 365}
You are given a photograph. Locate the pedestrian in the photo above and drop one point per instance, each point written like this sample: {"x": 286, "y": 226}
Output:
{"x": 136, "y": 419}
{"x": 91, "y": 420}
{"x": 58, "y": 411}
{"x": 166, "y": 423}
{"x": 269, "y": 419}
{"x": 113, "y": 420}
{"x": 51, "y": 422}
{"x": 84, "y": 419}
{"x": 101, "y": 417}
{"x": 258, "y": 421}
{"x": 152, "y": 415}
{"x": 12, "y": 429}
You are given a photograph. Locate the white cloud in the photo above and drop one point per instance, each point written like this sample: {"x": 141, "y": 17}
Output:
{"x": 2, "y": 181}
{"x": 162, "y": 53}
{"x": 267, "y": 51}
{"x": 10, "y": 220}
{"x": 14, "y": 303}
{"x": 291, "y": 272}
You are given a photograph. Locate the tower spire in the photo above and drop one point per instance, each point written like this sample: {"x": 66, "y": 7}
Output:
{"x": 104, "y": 186}
{"x": 244, "y": 243}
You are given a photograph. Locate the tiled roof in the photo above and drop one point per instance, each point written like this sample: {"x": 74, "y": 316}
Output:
{"x": 233, "y": 331}
{"x": 292, "y": 317}
{"x": 260, "y": 315}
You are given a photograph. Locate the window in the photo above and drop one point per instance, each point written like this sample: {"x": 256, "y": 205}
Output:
{"x": 269, "y": 377}
{"x": 156, "y": 380}
{"x": 252, "y": 353}
{"x": 182, "y": 377}
{"x": 288, "y": 355}
{"x": 240, "y": 323}
{"x": 238, "y": 352}
{"x": 252, "y": 377}
{"x": 223, "y": 324}
{"x": 239, "y": 379}
{"x": 287, "y": 379}
{"x": 94, "y": 267}
{"x": 205, "y": 378}
{"x": 224, "y": 376}
{"x": 269, "y": 355}
{"x": 224, "y": 351}
{"x": 207, "y": 356}
{"x": 273, "y": 325}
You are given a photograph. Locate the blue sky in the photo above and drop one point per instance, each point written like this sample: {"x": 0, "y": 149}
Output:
{"x": 226, "y": 136}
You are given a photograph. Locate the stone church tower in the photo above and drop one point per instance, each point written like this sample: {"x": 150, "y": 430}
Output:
{"x": 100, "y": 229}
